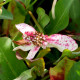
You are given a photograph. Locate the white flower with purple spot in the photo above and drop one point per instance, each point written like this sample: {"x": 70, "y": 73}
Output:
{"x": 35, "y": 40}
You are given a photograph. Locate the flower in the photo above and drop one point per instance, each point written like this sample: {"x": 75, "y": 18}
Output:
{"x": 34, "y": 40}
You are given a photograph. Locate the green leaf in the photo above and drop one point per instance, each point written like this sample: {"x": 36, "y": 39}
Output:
{"x": 60, "y": 71}
{"x": 62, "y": 17}
{"x": 1, "y": 1}
{"x": 6, "y": 14}
{"x": 39, "y": 63}
{"x": 4, "y": 2}
{"x": 69, "y": 54}
{"x": 74, "y": 73}
{"x": 26, "y": 2}
{"x": 10, "y": 66}
{"x": 75, "y": 17}
{"x": 73, "y": 27}
{"x": 75, "y": 10}
{"x": 43, "y": 52}
{"x": 27, "y": 75}
{"x": 43, "y": 18}
{"x": 9, "y": 26}
{"x": 18, "y": 36}
{"x": 21, "y": 7}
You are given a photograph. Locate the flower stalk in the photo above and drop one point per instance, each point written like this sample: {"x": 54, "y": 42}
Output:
{"x": 35, "y": 21}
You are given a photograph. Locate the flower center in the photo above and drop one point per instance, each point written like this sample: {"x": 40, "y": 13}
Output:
{"x": 36, "y": 38}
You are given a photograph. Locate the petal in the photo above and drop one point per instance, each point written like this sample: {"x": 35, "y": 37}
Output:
{"x": 24, "y": 47}
{"x": 21, "y": 42}
{"x": 22, "y": 27}
{"x": 62, "y": 42}
{"x": 18, "y": 56}
{"x": 44, "y": 45}
{"x": 32, "y": 53}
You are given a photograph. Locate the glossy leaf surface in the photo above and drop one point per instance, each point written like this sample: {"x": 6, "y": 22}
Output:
{"x": 43, "y": 18}
{"x": 60, "y": 71}
{"x": 10, "y": 66}
{"x": 61, "y": 17}
{"x": 6, "y": 14}
{"x": 27, "y": 75}
{"x": 74, "y": 73}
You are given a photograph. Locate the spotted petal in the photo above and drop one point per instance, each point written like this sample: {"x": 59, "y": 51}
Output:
{"x": 22, "y": 27}
{"x": 24, "y": 47}
{"x": 32, "y": 53}
{"x": 62, "y": 42}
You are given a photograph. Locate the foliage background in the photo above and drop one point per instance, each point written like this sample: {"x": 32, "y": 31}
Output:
{"x": 51, "y": 64}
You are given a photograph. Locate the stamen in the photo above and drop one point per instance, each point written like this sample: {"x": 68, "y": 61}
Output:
{"x": 36, "y": 38}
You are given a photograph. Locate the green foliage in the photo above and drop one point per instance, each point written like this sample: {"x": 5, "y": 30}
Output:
{"x": 17, "y": 18}
{"x": 21, "y": 8}
{"x": 10, "y": 66}
{"x": 2, "y": 2}
{"x": 62, "y": 17}
{"x": 42, "y": 53}
{"x": 75, "y": 16}
{"x": 60, "y": 71}
{"x": 27, "y": 75}
{"x": 74, "y": 73}
{"x": 74, "y": 11}
{"x": 48, "y": 64}
{"x": 6, "y": 14}
{"x": 69, "y": 54}
{"x": 40, "y": 65}
{"x": 43, "y": 18}
{"x": 26, "y": 2}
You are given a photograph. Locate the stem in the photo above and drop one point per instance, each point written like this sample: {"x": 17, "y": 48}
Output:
{"x": 57, "y": 61}
{"x": 33, "y": 3}
{"x": 44, "y": 73}
{"x": 46, "y": 77}
{"x": 35, "y": 21}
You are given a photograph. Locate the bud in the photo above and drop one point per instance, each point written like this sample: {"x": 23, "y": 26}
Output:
{"x": 53, "y": 9}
